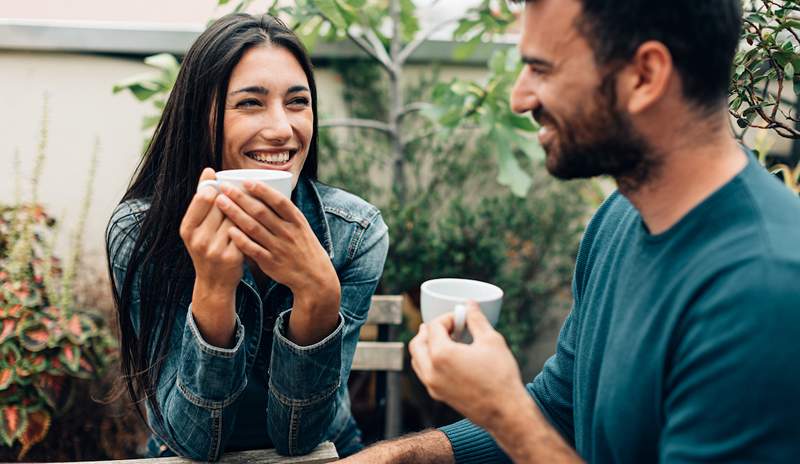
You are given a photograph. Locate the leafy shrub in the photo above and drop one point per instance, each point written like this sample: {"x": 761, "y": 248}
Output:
{"x": 46, "y": 343}
{"x": 458, "y": 220}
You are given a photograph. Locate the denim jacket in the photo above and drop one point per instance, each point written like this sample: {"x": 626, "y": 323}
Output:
{"x": 200, "y": 386}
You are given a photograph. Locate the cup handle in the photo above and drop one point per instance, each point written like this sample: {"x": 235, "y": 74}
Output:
{"x": 460, "y": 317}
{"x": 208, "y": 182}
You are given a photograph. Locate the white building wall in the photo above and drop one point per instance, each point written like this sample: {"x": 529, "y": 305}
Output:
{"x": 81, "y": 108}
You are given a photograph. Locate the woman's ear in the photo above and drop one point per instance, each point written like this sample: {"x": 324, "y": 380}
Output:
{"x": 647, "y": 78}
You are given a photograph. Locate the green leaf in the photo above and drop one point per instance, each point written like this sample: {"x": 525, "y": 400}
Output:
{"x": 532, "y": 149}
{"x": 788, "y": 71}
{"x": 409, "y": 24}
{"x": 13, "y": 420}
{"x": 451, "y": 118}
{"x": 222, "y": 2}
{"x": 329, "y": 9}
{"x": 33, "y": 335}
{"x": 522, "y": 123}
{"x": 6, "y": 376}
{"x": 8, "y": 328}
{"x": 464, "y": 26}
{"x": 757, "y": 18}
{"x": 36, "y": 429}
{"x": 510, "y": 173}
{"x": 466, "y": 49}
{"x": 71, "y": 357}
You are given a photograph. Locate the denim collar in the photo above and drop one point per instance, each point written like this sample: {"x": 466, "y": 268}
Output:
{"x": 307, "y": 199}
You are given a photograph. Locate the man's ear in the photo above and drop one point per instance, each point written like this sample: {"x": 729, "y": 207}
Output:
{"x": 647, "y": 78}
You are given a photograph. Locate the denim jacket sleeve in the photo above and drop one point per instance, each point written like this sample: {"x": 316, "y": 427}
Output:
{"x": 198, "y": 382}
{"x": 304, "y": 380}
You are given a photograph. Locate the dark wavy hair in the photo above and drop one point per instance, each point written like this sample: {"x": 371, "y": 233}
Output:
{"x": 701, "y": 35}
{"x": 188, "y": 138}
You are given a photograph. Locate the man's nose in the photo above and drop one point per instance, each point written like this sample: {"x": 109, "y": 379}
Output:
{"x": 523, "y": 96}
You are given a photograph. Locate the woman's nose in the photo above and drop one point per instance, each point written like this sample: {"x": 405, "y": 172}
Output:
{"x": 277, "y": 126}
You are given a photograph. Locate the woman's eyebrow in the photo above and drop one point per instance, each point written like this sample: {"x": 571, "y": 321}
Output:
{"x": 251, "y": 89}
{"x": 264, "y": 91}
{"x": 297, "y": 88}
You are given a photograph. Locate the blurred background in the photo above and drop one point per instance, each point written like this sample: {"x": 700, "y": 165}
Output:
{"x": 414, "y": 118}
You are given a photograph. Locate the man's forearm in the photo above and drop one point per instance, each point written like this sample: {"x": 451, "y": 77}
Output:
{"x": 426, "y": 447}
{"x": 527, "y": 437}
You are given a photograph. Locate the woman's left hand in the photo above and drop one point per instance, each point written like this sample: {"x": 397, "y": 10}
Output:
{"x": 275, "y": 234}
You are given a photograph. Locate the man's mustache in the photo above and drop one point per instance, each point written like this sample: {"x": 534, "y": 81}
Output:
{"x": 542, "y": 117}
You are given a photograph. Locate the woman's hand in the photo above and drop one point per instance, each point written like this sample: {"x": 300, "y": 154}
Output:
{"x": 275, "y": 234}
{"x": 217, "y": 264}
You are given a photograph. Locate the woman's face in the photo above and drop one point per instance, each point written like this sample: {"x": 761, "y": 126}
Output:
{"x": 268, "y": 117}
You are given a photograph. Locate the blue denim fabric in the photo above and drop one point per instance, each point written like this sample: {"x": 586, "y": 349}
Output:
{"x": 200, "y": 386}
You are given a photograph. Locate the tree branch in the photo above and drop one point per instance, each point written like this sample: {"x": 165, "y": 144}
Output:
{"x": 414, "y": 107}
{"x": 361, "y": 123}
{"x": 414, "y": 44}
{"x": 364, "y": 46}
{"x": 380, "y": 49}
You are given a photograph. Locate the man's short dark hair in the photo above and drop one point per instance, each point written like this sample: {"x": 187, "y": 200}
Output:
{"x": 701, "y": 35}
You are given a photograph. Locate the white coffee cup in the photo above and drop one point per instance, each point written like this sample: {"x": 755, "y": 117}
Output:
{"x": 440, "y": 296}
{"x": 279, "y": 180}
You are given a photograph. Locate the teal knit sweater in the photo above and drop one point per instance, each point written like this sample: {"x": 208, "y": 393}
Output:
{"x": 682, "y": 346}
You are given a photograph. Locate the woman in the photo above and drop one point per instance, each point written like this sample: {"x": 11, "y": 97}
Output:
{"x": 239, "y": 312}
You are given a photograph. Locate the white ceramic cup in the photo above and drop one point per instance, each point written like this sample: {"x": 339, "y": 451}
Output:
{"x": 279, "y": 180}
{"x": 440, "y": 296}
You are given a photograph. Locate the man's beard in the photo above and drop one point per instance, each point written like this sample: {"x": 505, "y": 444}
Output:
{"x": 600, "y": 141}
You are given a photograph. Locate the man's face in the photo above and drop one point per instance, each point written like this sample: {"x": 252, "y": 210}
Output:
{"x": 584, "y": 132}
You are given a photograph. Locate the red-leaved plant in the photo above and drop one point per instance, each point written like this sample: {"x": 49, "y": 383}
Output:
{"x": 46, "y": 343}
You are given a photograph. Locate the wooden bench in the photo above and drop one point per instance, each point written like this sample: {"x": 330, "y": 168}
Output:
{"x": 382, "y": 355}
{"x": 325, "y": 452}
{"x": 386, "y": 357}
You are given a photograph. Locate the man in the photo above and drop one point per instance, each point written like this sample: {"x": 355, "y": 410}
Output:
{"x": 683, "y": 344}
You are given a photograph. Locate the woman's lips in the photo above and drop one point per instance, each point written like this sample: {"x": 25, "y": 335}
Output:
{"x": 271, "y": 160}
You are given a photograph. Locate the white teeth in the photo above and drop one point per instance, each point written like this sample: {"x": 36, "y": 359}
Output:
{"x": 276, "y": 158}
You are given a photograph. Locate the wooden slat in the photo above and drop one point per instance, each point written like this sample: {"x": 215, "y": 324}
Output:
{"x": 378, "y": 356}
{"x": 386, "y": 309}
{"x": 325, "y": 452}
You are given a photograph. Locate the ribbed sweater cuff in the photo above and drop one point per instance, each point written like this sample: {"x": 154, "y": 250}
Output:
{"x": 472, "y": 444}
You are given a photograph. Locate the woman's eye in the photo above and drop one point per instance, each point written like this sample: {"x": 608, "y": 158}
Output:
{"x": 299, "y": 101}
{"x": 249, "y": 103}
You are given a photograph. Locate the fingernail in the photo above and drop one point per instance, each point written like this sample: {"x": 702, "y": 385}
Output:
{"x": 223, "y": 201}
{"x": 248, "y": 184}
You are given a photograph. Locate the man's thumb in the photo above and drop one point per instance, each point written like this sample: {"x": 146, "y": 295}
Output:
{"x": 477, "y": 323}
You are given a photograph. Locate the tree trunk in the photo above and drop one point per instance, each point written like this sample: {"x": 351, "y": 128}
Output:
{"x": 396, "y": 106}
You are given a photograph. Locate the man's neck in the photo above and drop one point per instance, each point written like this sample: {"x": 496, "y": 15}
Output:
{"x": 685, "y": 176}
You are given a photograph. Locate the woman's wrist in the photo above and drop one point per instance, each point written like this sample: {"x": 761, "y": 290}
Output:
{"x": 315, "y": 313}
{"x": 214, "y": 312}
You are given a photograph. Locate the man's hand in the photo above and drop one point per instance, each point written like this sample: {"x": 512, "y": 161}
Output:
{"x": 480, "y": 380}
{"x": 428, "y": 447}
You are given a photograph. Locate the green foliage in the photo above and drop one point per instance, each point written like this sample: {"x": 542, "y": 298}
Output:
{"x": 486, "y": 107}
{"x": 458, "y": 220}
{"x": 152, "y": 86}
{"x": 766, "y": 65}
{"x": 45, "y": 341}
{"x": 481, "y": 22}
